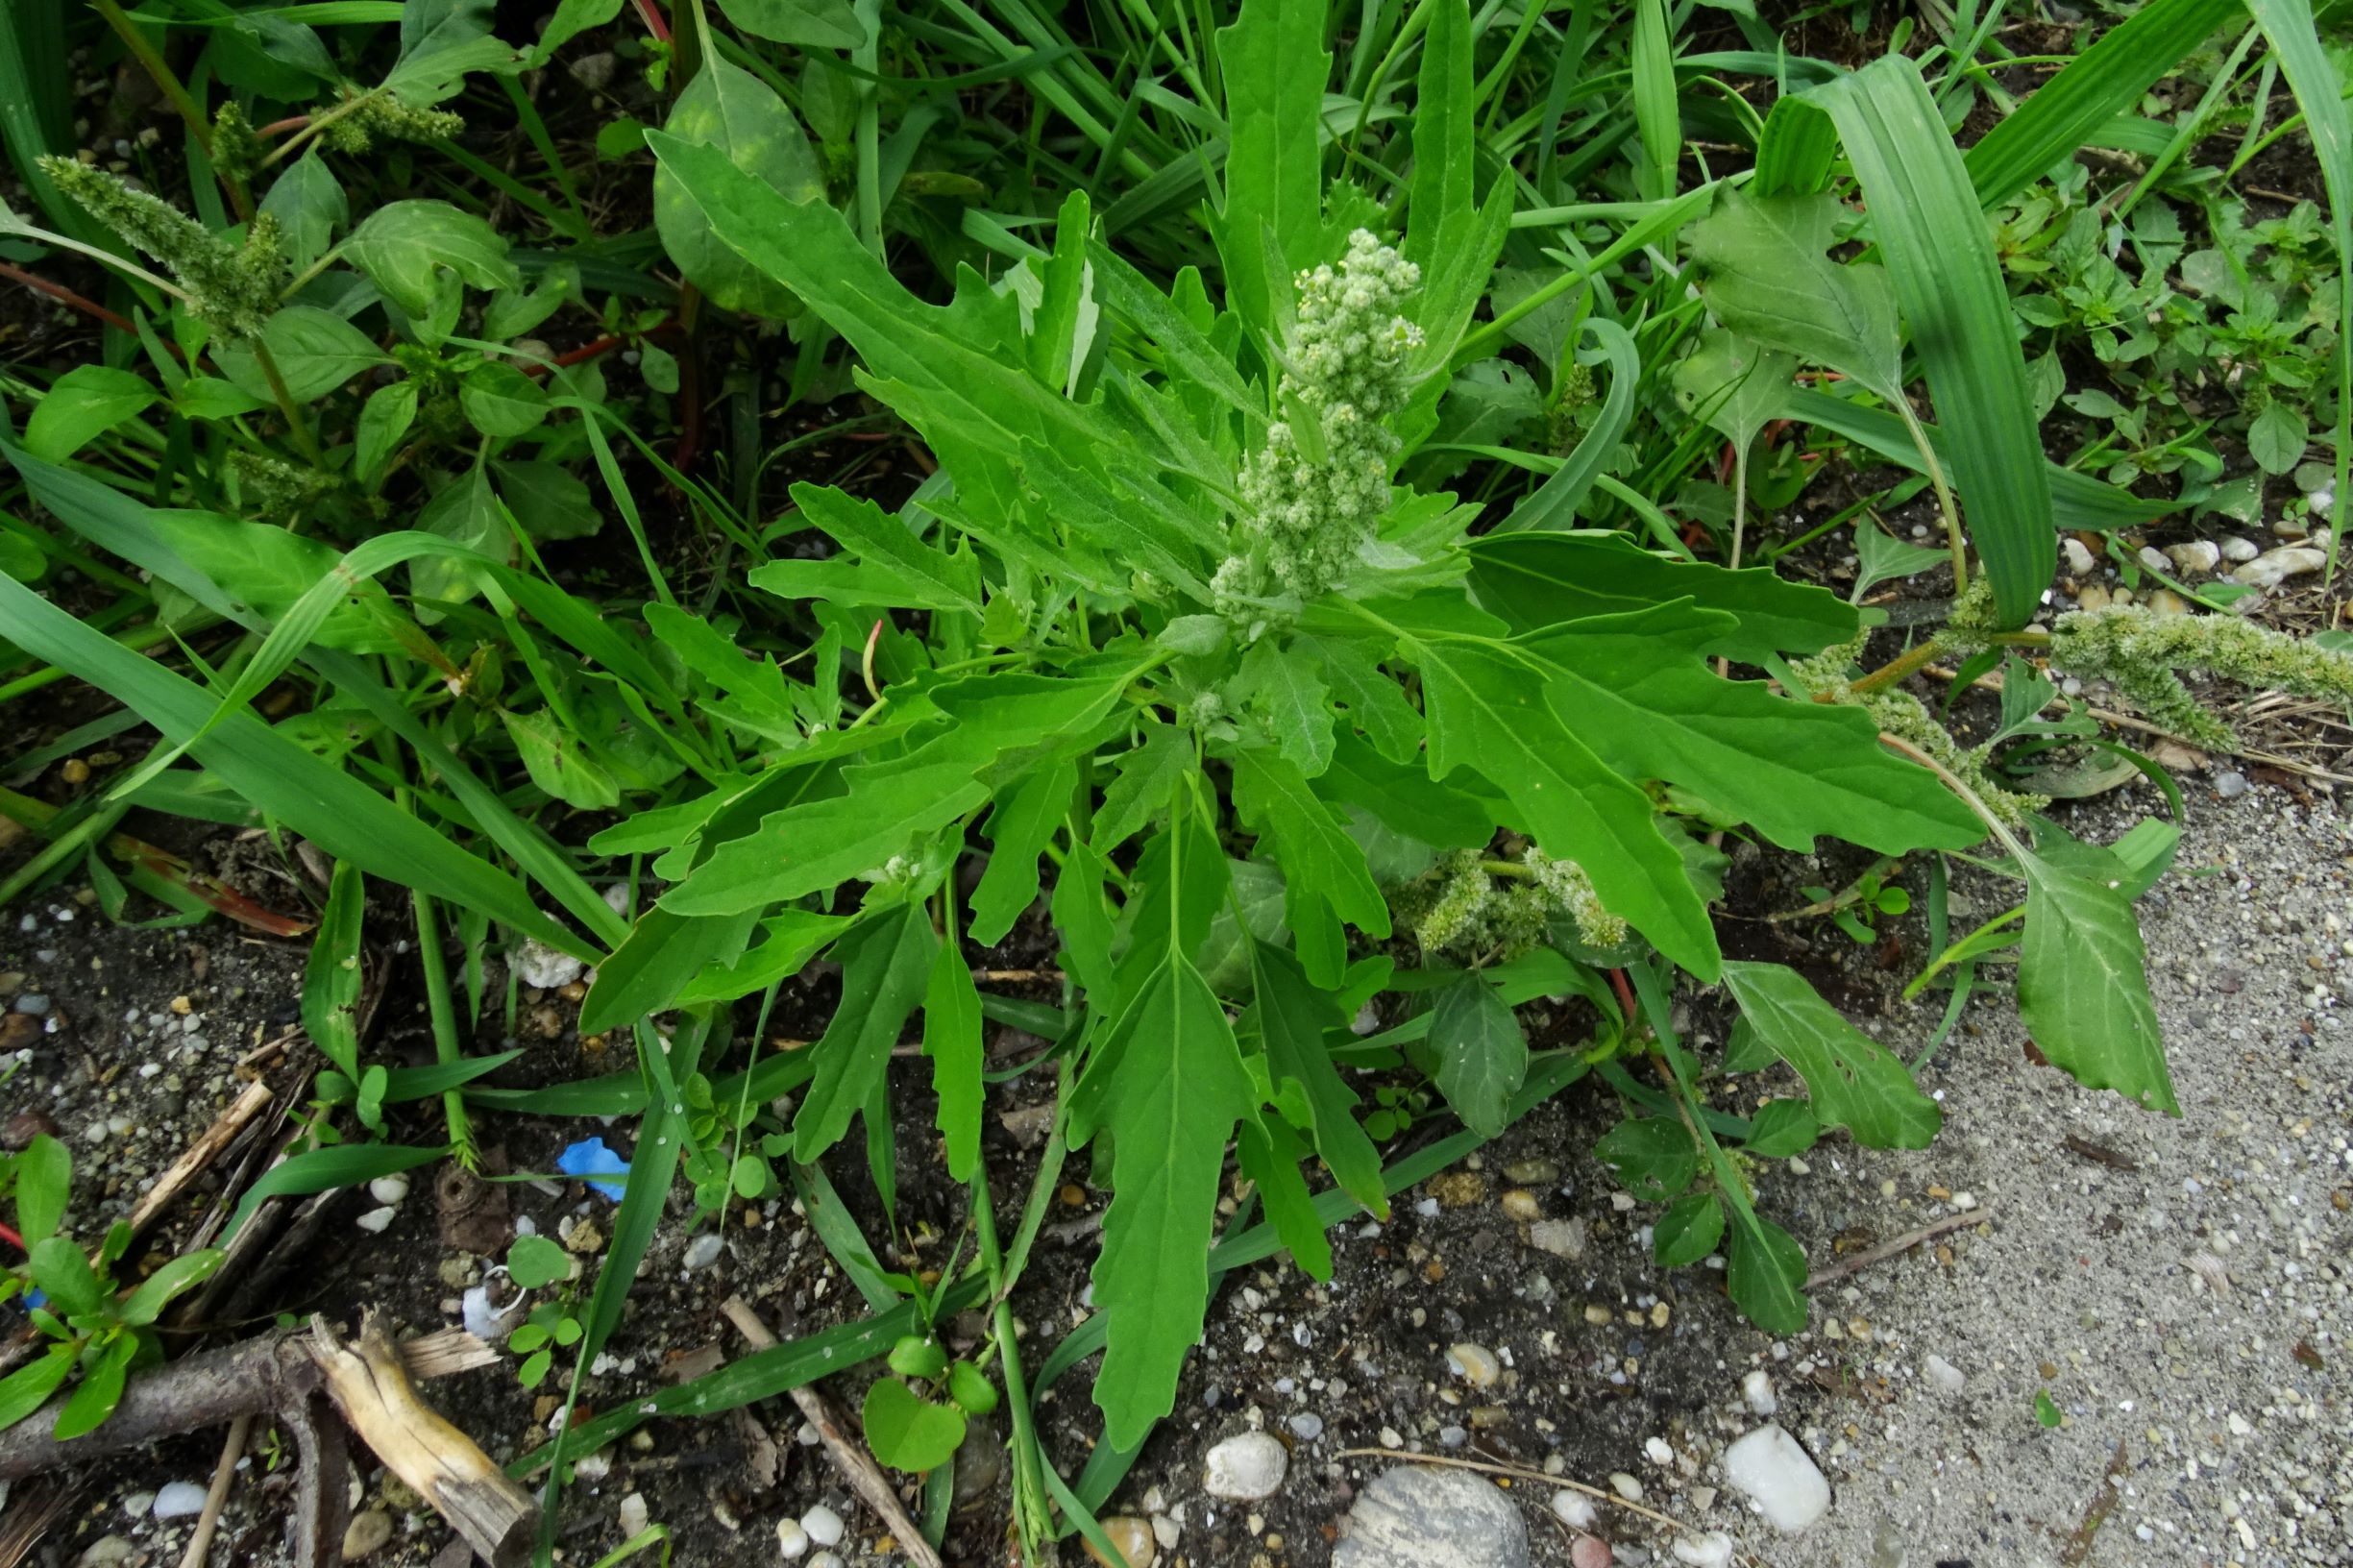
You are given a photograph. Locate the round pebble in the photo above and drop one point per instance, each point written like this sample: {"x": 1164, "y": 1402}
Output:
{"x": 1474, "y": 1364}
{"x": 1244, "y": 1467}
{"x": 178, "y": 1499}
{"x": 824, "y": 1524}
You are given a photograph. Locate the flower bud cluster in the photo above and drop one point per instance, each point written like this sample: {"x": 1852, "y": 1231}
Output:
{"x": 1460, "y": 908}
{"x": 230, "y": 287}
{"x": 1312, "y": 499}
{"x": 1571, "y": 892}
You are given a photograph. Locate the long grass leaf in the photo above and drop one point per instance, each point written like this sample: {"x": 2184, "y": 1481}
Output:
{"x": 2287, "y": 25}
{"x": 1657, "y": 116}
{"x": 1940, "y": 256}
{"x": 1553, "y": 503}
{"x": 2079, "y": 501}
{"x": 2107, "y": 80}
{"x": 342, "y": 815}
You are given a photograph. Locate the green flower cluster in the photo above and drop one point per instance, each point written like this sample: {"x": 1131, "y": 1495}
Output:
{"x": 2140, "y": 652}
{"x": 231, "y": 287}
{"x": 1462, "y": 908}
{"x": 1313, "y": 497}
{"x": 1828, "y": 674}
{"x": 357, "y": 123}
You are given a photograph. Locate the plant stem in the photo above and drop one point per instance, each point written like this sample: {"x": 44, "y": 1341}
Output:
{"x": 1895, "y": 668}
{"x": 66, "y": 296}
{"x": 1954, "y": 782}
{"x": 1031, "y": 1514}
{"x": 1944, "y": 494}
{"x": 444, "y": 1025}
{"x": 300, "y": 426}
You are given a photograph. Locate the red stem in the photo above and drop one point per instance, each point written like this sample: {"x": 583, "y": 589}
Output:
{"x": 66, "y": 296}
{"x": 8, "y": 1233}
{"x": 1626, "y": 994}
{"x": 278, "y": 128}
{"x": 655, "y": 23}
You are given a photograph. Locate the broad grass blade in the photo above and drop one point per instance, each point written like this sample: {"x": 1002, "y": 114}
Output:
{"x": 2103, "y": 82}
{"x": 2287, "y": 25}
{"x": 336, "y": 812}
{"x": 1933, "y": 237}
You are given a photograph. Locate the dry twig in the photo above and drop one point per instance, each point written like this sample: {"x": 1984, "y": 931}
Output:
{"x": 864, "y": 1475}
{"x": 1845, "y": 1267}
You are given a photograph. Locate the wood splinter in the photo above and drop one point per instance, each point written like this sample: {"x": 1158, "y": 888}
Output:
{"x": 370, "y": 1385}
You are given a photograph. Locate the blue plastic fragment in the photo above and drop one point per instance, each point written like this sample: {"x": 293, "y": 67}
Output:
{"x": 589, "y": 1159}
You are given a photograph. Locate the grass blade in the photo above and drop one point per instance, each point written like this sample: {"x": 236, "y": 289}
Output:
{"x": 2287, "y": 25}
{"x": 2103, "y": 82}
{"x": 342, "y": 815}
{"x": 1941, "y": 257}
{"x": 1657, "y": 116}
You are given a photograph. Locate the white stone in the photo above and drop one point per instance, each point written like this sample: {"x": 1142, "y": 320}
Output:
{"x": 2274, "y": 567}
{"x": 1474, "y": 1364}
{"x": 1771, "y": 1470}
{"x": 2079, "y": 559}
{"x": 1658, "y": 1450}
{"x": 178, "y": 1500}
{"x": 1575, "y": 1509}
{"x": 1940, "y": 1372}
{"x": 634, "y": 1515}
{"x": 1757, "y": 1389}
{"x": 2154, "y": 559}
{"x": 1625, "y": 1485}
{"x": 374, "y": 1220}
{"x": 792, "y": 1541}
{"x": 2198, "y": 555}
{"x": 539, "y": 965}
{"x": 703, "y": 1251}
{"x": 1713, "y": 1549}
{"x": 1245, "y": 1467}
{"x": 826, "y": 1559}
{"x": 390, "y": 1189}
{"x": 2235, "y": 548}
{"x": 824, "y": 1524}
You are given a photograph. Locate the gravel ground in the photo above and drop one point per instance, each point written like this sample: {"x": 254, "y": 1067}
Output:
{"x": 2177, "y": 1287}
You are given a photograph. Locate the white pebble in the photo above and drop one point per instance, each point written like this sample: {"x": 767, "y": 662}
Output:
{"x": 826, "y": 1559}
{"x": 2154, "y": 559}
{"x": 1779, "y": 1477}
{"x": 1944, "y": 1374}
{"x": 1660, "y": 1454}
{"x": 2235, "y": 548}
{"x": 1625, "y": 1485}
{"x": 824, "y": 1524}
{"x": 2079, "y": 559}
{"x": 374, "y": 1220}
{"x": 791, "y": 1539}
{"x": 703, "y": 1251}
{"x": 1757, "y": 1389}
{"x": 178, "y": 1500}
{"x": 2274, "y": 567}
{"x": 1575, "y": 1509}
{"x": 634, "y": 1515}
{"x": 2196, "y": 558}
{"x": 1713, "y": 1549}
{"x": 1245, "y": 1467}
{"x": 390, "y": 1189}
